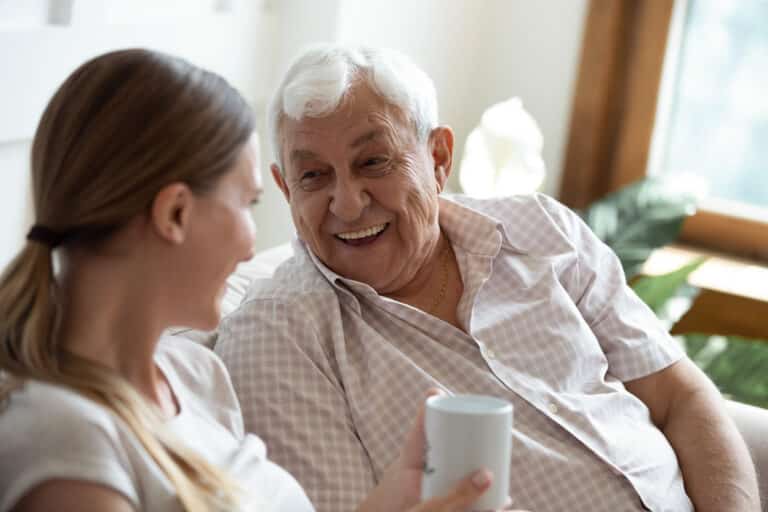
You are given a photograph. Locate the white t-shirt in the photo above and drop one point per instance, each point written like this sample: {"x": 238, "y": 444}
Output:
{"x": 49, "y": 431}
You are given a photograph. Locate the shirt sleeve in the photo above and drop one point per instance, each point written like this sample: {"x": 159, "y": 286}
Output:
{"x": 631, "y": 336}
{"x": 292, "y": 398}
{"x": 67, "y": 439}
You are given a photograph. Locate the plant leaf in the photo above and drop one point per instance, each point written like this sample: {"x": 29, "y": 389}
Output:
{"x": 638, "y": 219}
{"x": 736, "y": 365}
{"x": 658, "y": 291}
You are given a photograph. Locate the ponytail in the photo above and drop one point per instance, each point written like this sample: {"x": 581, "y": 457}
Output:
{"x": 29, "y": 349}
{"x": 28, "y": 313}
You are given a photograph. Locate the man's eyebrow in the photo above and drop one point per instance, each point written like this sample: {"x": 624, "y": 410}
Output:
{"x": 366, "y": 137}
{"x": 302, "y": 154}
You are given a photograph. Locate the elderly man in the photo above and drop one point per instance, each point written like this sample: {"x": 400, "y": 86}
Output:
{"x": 394, "y": 289}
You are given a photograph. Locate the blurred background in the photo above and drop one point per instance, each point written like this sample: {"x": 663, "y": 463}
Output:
{"x": 478, "y": 53}
{"x": 648, "y": 117}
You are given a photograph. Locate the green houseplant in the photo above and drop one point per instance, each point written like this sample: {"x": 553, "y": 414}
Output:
{"x": 642, "y": 217}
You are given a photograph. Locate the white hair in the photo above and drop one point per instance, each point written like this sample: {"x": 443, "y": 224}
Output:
{"x": 320, "y": 77}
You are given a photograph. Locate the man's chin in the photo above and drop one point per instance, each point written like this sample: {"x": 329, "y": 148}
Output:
{"x": 368, "y": 269}
{"x": 370, "y": 276}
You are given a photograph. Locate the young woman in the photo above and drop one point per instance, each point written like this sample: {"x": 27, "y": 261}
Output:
{"x": 144, "y": 169}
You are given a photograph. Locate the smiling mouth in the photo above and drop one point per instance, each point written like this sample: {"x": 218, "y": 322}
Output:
{"x": 363, "y": 236}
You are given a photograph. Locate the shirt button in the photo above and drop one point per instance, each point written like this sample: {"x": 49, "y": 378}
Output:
{"x": 490, "y": 354}
{"x": 553, "y": 408}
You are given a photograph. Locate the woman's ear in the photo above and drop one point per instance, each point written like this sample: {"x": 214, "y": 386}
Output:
{"x": 171, "y": 211}
{"x": 441, "y": 149}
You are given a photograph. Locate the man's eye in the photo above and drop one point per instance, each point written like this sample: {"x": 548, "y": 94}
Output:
{"x": 375, "y": 166}
{"x": 309, "y": 175}
{"x": 374, "y": 161}
{"x": 313, "y": 179}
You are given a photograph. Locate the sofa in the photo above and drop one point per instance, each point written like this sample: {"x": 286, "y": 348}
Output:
{"x": 751, "y": 421}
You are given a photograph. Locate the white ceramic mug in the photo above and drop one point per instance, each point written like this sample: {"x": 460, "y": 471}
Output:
{"x": 465, "y": 433}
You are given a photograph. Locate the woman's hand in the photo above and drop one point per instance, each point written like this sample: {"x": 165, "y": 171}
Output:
{"x": 461, "y": 497}
{"x": 400, "y": 488}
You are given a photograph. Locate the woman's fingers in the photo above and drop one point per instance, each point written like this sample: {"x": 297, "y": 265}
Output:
{"x": 461, "y": 497}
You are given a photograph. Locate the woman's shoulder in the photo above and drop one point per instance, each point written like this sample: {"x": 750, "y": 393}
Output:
{"x": 198, "y": 376}
{"x": 38, "y": 405}
{"x": 50, "y": 431}
{"x": 191, "y": 362}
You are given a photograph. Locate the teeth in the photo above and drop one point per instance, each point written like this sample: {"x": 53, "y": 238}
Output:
{"x": 354, "y": 235}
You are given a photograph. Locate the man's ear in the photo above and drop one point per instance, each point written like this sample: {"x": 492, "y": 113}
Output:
{"x": 441, "y": 149}
{"x": 280, "y": 181}
{"x": 171, "y": 211}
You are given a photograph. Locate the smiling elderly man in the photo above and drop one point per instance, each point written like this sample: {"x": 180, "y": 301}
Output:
{"x": 394, "y": 289}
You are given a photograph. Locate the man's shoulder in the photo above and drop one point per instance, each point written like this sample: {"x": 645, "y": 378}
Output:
{"x": 295, "y": 279}
{"x": 297, "y": 293}
{"x": 533, "y": 223}
{"x": 295, "y": 311}
{"x": 512, "y": 208}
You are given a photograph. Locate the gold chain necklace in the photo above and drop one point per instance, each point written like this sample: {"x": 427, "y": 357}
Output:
{"x": 444, "y": 283}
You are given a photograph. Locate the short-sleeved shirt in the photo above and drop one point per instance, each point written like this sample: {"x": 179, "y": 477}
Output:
{"x": 331, "y": 374}
{"x": 51, "y": 432}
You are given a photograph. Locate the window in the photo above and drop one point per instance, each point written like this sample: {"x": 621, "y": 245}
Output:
{"x": 677, "y": 89}
{"x": 712, "y": 123}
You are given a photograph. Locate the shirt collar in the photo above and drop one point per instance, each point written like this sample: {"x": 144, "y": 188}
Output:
{"x": 347, "y": 286}
{"x": 474, "y": 232}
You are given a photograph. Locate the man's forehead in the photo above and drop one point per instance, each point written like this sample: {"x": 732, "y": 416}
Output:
{"x": 297, "y": 151}
{"x": 353, "y": 131}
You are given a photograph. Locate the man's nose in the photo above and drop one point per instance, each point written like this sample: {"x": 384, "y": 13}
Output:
{"x": 349, "y": 198}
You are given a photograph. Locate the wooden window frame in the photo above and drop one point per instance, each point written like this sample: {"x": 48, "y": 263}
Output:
{"x": 613, "y": 116}
{"x": 611, "y": 127}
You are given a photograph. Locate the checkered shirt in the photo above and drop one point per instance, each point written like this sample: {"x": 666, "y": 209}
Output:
{"x": 330, "y": 374}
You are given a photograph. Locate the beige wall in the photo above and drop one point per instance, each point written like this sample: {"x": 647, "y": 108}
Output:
{"x": 478, "y": 53}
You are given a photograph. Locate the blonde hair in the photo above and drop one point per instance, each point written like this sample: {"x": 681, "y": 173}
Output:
{"x": 120, "y": 128}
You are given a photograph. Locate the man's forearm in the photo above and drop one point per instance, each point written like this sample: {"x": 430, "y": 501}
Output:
{"x": 717, "y": 468}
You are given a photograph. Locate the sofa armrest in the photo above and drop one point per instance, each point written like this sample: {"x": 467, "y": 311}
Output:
{"x": 752, "y": 422}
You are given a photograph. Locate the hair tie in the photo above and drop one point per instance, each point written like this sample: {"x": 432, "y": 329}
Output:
{"x": 46, "y": 236}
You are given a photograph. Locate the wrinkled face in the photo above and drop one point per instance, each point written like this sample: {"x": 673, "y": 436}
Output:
{"x": 222, "y": 235}
{"x": 363, "y": 190}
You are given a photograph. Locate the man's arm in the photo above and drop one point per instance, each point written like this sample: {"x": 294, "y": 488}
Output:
{"x": 292, "y": 399}
{"x": 716, "y": 465}
{"x": 684, "y": 404}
